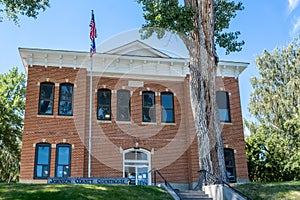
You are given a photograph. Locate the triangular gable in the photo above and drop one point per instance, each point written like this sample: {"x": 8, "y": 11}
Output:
{"x": 138, "y": 48}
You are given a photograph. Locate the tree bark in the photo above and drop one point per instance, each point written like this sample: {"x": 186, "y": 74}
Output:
{"x": 203, "y": 72}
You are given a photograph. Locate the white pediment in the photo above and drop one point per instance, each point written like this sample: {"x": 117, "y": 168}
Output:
{"x": 138, "y": 48}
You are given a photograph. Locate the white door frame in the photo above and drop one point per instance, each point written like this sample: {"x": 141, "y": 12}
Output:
{"x": 140, "y": 163}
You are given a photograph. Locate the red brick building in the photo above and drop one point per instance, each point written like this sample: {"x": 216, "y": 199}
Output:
{"x": 141, "y": 116}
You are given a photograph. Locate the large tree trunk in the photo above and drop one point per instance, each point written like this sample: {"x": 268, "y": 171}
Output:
{"x": 203, "y": 72}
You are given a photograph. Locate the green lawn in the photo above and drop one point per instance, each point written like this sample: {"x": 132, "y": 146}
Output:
{"x": 271, "y": 191}
{"x": 111, "y": 192}
{"x": 258, "y": 191}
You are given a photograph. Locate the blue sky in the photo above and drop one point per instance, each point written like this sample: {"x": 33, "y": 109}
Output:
{"x": 264, "y": 24}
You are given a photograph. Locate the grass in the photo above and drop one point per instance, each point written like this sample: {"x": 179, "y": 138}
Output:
{"x": 271, "y": 191}
{"x": 258, "y": 191}
{"x": 93, "y": 192}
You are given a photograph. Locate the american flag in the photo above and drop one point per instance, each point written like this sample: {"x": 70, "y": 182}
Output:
{"x": 93, "y": 35}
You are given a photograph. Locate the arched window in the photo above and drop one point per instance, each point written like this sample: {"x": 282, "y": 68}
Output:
{"x": 46, "y": 99}
{"x": 149, "y": 114}
{"x": 63, "y": 160}
{"x": 123, "y": 105}
{"x": 230, "y": 164}
{"x": 104, "y": 104}
{"x": 167, "y": 107}
{"x": 66, "y": 99}
{"x": 223, "y": 106}
{"x": 42, "y": 161}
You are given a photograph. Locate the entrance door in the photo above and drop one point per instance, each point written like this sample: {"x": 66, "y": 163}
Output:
{"x": 137, "y": 175}
{"x": 137, "y": 166}
{"x": 142, "y": 175}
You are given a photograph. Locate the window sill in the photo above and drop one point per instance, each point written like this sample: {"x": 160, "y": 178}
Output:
{"x": 46, "y": 116}
{"x": 123, "y": 122}
{"x": 170, "y": 124}
{"x": 57, "y": 116}
{"x": 104, "y": 121}
{"x": 228, "y": 123}
{"x": 149, "y": 123}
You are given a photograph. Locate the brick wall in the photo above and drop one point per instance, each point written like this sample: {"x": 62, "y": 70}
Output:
{"x": 52, "y": 129}
{"x": 166, "y": 141}
{"x": 233, "y": 133}
{"x": 173, "y": 146}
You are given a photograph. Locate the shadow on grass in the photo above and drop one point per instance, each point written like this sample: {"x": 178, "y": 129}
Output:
{"x": 271, "y": 191}
{"x": 49, "y": 192}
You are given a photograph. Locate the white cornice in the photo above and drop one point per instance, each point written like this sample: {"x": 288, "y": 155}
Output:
{"x": 231, "y": 68}
{"x": 109, "y": 64}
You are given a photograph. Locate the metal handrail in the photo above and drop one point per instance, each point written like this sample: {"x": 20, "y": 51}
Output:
{"x": 207, "y": 178}
{"x": 167, "y": 184}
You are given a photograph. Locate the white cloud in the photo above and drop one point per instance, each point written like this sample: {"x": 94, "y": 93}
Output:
{"x": 292, "y": 5}
{"x": 296, "y": 27}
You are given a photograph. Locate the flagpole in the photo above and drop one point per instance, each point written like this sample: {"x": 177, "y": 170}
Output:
{"x": 93, "y": 35}
{"x": 90, "y": 121}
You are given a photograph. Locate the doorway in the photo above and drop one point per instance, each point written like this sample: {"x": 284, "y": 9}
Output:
{"x": 136, "y": 166}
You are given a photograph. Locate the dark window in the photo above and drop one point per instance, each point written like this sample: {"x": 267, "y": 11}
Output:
{"x": 167, "y": 107}
{"x": 63, "y": 160}
{"x": 42, "y": 160}
{"x": 46, "y": 99}
{"x": 223, "y": 106}
{"x": 123, "y": 104}
{"x": 149, "y": 107}
{"x": 104, "y": 104}
{"x": 136, "y": 155}
{"x": 230, "y": 164}
{"x": 66, "y": 99}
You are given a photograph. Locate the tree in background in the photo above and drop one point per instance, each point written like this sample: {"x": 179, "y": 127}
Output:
{"x": 273, "y": 148}
{"x": 12, "y": 101}
{"x": 14, "y": 8}
{"x": 200, "y": 24}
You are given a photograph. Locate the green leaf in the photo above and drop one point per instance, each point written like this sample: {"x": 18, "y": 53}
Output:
{"x": 12, "y": 102}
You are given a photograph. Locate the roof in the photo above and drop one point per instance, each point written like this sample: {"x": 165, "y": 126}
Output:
{"x": 138, "y": 48}
{"x": 134, "y": 58}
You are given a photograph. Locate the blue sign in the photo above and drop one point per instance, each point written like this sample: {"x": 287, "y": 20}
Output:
{"x": 94, "y": 181}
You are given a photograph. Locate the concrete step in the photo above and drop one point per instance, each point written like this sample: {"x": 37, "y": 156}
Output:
{"x": 193, "y": 195}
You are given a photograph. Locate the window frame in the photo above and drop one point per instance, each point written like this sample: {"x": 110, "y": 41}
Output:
{"x": 226, "y": 106}
{"x": 231, "y": 165}
{"x": 45, "y": 99}
{"x": 36, "y": 160}
{"x": 148, "y": 107}
{"x": 60, "y": 98}
{"x": 163, "y": 108}
{"x": 121, "y": 107}
{"x": 57, "y": 159}
{"x": 103, "y": 105}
